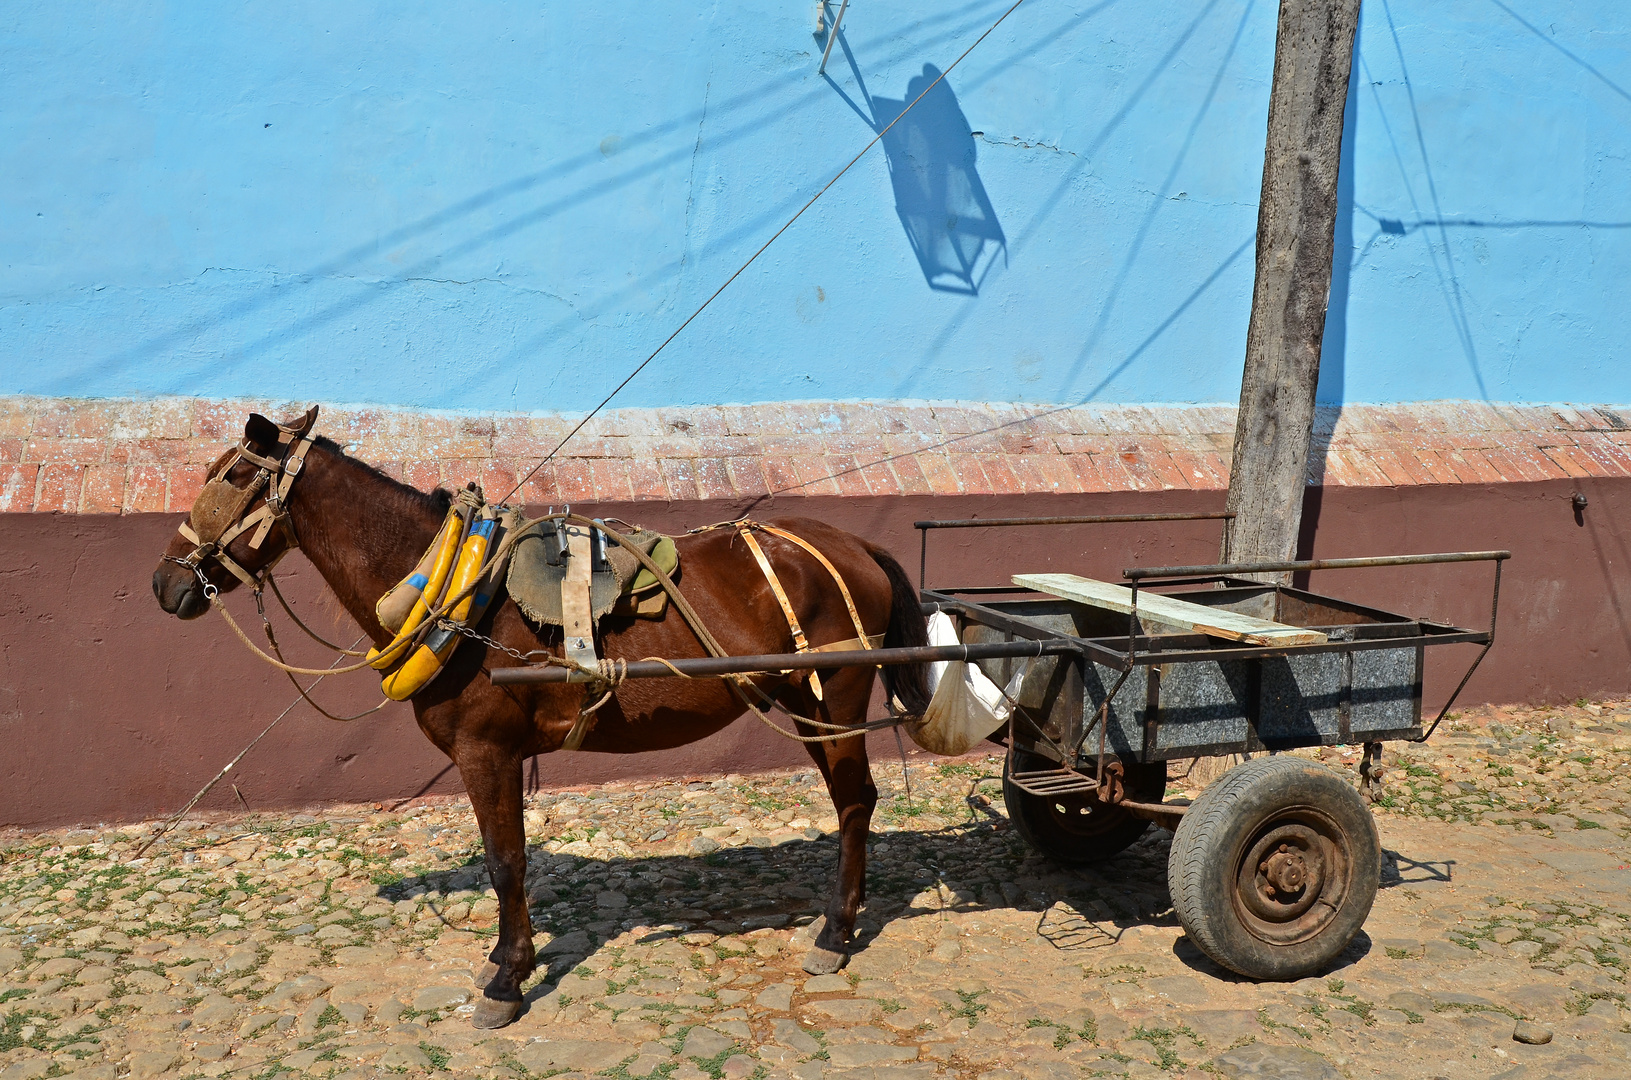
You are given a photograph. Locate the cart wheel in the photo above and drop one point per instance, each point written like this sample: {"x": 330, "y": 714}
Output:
{"x": 1274, "y": 868}
{"x": 1079, "y": 829}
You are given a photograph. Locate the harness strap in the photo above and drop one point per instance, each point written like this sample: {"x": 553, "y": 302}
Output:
{"x": 577, "y": 618}
{"x": 269, "y": 514}
{"x": 274, "y": 511}
{"x": 871, "y": 641}
{"x": 744, "y": 686}
{"x": 216, "y": 551}
{"x": 269, "y": 464}
{"x": 800, "y": 642}
{"x": 838, "y": 579}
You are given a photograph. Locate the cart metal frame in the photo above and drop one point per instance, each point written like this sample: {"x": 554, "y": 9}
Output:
{"x": 1082, "y": 770}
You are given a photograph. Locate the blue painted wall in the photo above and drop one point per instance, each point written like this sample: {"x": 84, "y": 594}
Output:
{"x": 507, "y": 206}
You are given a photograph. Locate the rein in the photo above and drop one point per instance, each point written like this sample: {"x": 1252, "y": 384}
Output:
{"x": 298, "y": 621}
{"x": 218, "y": 518}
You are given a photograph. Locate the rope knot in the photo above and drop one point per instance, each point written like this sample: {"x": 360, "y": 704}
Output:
{"x": 613, "y": 672}
{"x": 608, "y": 676}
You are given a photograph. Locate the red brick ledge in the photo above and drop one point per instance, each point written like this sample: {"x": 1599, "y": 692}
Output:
{"x": 92, "y": 456}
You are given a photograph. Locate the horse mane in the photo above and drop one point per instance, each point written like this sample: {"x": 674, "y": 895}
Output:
{"x": 392, "y": 501}
{"x": 435, "y": 501}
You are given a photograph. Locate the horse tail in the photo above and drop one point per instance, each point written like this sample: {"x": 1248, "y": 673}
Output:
{"x": 906, "y": 683}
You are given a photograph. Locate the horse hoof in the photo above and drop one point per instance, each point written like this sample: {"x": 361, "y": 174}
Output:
{"x": 821, "y": 961}
{"x": 491, "y": 1014}
{"x": 488, "y": 972}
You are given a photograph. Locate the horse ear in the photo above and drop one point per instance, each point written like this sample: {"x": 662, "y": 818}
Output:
{"x": 304, "y": 425}
{"x": 260, "y": 431}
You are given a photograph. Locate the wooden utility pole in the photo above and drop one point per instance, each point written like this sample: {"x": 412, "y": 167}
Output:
{"x": 1313, "y": 54}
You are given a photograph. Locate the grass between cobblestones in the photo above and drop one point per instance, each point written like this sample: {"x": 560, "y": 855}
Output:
{"x": 342, "y": 942}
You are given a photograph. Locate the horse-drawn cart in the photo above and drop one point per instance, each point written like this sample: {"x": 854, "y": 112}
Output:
{"x": 1274, "y": 867}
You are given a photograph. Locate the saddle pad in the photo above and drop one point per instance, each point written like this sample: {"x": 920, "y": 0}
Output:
{"x": 535, "y": 575}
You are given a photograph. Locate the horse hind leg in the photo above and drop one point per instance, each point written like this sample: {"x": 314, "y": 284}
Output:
{"x": 843, "y": 762}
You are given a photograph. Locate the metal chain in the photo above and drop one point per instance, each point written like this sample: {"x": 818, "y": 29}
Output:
{"x": 610, "y": 670}
{"x": 524, "y": 657}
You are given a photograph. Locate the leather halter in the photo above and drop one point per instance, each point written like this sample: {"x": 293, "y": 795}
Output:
{"x": 217, "y": 516}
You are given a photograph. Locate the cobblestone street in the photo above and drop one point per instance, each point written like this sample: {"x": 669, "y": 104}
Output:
{"x": 673, "y": 916}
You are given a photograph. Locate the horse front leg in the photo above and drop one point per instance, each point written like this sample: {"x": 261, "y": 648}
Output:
{"x": 493, "y": 778}
{"x": 843, "y": 762}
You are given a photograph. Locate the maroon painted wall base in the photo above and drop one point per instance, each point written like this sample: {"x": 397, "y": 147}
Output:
{"x": 112, "y": 710}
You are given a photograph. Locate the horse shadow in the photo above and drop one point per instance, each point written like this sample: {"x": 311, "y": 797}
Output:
{"x": 974, "y": 865}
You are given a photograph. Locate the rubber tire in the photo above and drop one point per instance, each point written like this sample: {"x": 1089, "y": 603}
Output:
{"x": 1111, "y": 830}
{"x": 1213, "y": 841}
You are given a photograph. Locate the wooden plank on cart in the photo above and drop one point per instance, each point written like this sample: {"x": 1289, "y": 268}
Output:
{"x": 1170, "y": 611}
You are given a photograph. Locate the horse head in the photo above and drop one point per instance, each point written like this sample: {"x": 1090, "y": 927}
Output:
{"x": 238, "y": 527}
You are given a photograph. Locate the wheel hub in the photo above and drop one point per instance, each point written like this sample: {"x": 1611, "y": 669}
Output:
{"x": 1284, "y": 872}
{"x": 1292, "y": 878}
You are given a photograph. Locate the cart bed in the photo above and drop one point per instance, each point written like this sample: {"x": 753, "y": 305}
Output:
{"x": 1354, "y": 689}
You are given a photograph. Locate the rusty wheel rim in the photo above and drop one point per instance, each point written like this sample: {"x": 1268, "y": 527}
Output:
{"x": 1292, "y": 877}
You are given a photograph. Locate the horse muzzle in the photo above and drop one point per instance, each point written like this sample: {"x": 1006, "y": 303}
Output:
{"x": 179, "y": 592}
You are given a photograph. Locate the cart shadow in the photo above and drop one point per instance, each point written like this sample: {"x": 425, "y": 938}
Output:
{"x": 1400, "y": 869}
{"x": 1069, "y": 929}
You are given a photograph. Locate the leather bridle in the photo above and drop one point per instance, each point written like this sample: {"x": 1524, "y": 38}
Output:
{"x": 218, "y": 514}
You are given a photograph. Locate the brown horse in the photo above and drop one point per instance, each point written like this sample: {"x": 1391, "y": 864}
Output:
{"x": 364, "y": 531}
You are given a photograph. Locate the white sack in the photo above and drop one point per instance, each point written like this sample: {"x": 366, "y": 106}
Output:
{"x": 966, "y": 706}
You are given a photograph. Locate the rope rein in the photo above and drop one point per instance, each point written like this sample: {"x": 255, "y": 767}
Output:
{"x": 271, "y": 639}
{"x": 341, "y": 649}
